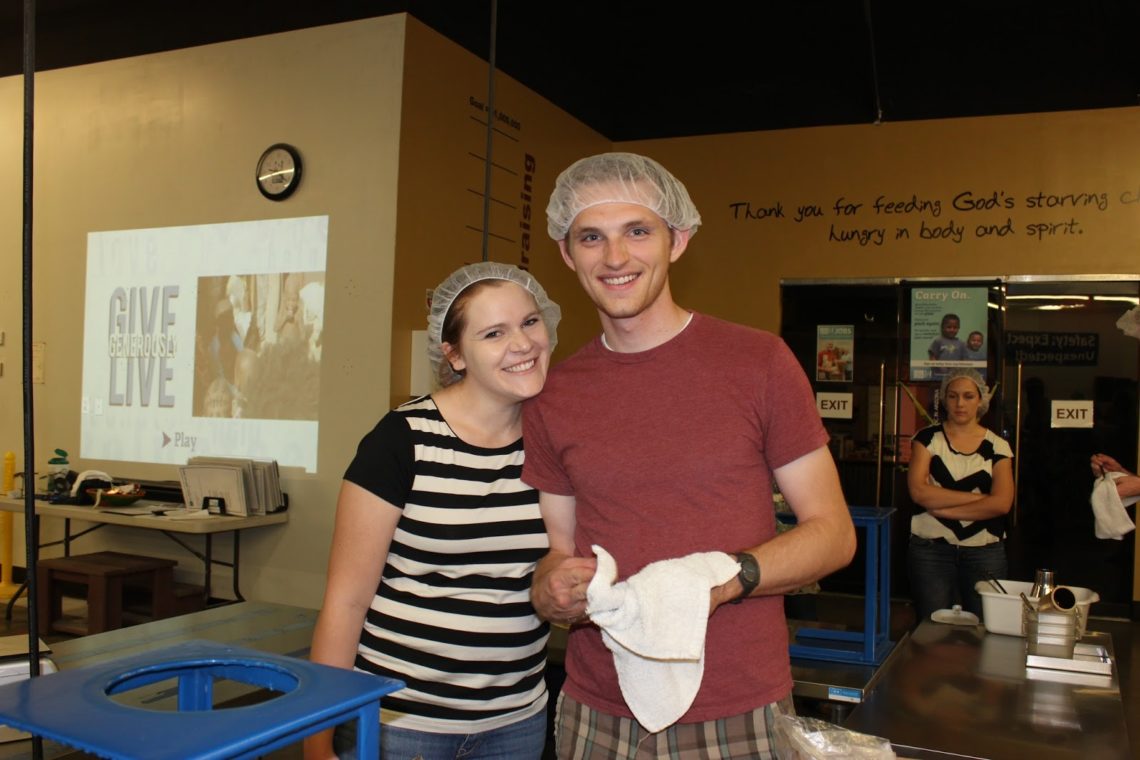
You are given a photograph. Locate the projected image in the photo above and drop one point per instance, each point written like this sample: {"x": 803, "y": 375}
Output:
{"x": 258, "y": 346}
{"x": 204, "y": 340}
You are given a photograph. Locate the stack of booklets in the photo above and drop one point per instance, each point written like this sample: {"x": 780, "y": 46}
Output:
{"x": 231, "y": 485}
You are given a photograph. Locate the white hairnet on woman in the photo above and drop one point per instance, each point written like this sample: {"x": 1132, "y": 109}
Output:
{"x": 447, "y": 291}
{"x": 619, "y": 178}
{"x": 974, "y": 377}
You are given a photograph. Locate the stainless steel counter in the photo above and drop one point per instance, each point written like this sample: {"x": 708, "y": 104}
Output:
{"x": 837, "y": 681}
{"x": 952, "y": 691}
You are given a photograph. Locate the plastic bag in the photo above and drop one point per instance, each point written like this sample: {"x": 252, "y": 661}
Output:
{"x": 1129, "y": 322}
{"x": 799, "y": 738}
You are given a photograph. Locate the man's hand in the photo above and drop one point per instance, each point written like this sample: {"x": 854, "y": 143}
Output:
{"x": 726, "y": 592}
{"x": 558, "y": 590}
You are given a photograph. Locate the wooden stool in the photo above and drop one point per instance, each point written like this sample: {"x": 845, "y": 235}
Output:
{"x": 137, "y": 601}
{"x": 104, "y": 574}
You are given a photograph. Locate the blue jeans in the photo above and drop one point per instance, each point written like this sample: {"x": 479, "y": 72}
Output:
{"x": 942, "y": 574}
{"x": 524, "y": 740}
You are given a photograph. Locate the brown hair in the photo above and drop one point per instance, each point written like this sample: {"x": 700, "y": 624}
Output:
{"x": 454, "y": 324}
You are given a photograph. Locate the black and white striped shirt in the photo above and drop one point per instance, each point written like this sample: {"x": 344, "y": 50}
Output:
{"x": 970, "y": 472}
{"x": 452, "y": 617}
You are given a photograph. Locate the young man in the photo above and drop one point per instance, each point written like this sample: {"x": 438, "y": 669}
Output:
{"x": 659, "y": 439}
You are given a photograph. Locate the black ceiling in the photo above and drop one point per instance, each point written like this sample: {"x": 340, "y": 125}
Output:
{"x": 635, "y": 69}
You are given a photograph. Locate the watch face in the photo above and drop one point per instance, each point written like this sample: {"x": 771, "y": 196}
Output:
{"x": 278, "y": 171}
{"x": 749, "y": 569}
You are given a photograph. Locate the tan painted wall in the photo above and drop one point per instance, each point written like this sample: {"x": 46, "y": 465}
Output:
{"x": 734, "y": 265}
{"x": 172, "y": 139}
{"x": 442, "y": 149}
{"x": 11, "y": 193}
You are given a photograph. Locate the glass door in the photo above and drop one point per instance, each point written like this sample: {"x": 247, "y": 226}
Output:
{"x": 846, "y": 340}
{"x": 873, "y": 353}
{"x": 943, "y": 325}
{"x": 845, "y": 336}
{"x": 1071, "y": 376}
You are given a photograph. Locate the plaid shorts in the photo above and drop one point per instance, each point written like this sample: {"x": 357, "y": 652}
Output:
{"x": 584, "y": 734}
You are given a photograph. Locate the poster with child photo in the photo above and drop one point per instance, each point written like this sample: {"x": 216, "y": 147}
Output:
{"x": 947, "y": 330}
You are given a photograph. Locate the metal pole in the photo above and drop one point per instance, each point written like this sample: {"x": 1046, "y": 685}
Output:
{"x": 879, "y": 455}
{"x": 31, "y": 524}
{"x": 487, "y": 167}
{"x": 897, "y": 431}
{"x": 1017, "y": 449}
{"x": 874, "y": 62}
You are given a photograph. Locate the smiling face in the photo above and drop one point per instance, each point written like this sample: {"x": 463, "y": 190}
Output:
{"x": 621, "y": 253}
{"x": 962, "y": 400}
{"x": 503, "y": 345}
{"x": 974, "y": 341}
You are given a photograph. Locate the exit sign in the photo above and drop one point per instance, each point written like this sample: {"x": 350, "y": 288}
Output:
{"x": 834, "y": 405}
{"x": 1072, "y": 414}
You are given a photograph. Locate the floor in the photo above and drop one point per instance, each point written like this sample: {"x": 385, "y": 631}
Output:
{"x": 72, "y": 608}
{"x": 827, "y": 608}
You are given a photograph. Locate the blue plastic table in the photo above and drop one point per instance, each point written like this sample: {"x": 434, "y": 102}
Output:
{"x": 75, "y": 707}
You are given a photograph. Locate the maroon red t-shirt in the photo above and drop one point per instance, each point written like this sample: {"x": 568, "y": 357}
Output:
{"x": 668, "y": 452}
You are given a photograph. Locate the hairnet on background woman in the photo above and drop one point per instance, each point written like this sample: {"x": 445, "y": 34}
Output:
{"x": 973, "y": 376}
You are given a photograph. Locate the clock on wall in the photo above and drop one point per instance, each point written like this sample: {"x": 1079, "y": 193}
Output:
{"x": 279, "y": 171}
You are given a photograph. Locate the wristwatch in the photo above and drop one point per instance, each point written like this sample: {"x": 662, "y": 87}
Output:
{"x": 749, "y": 575}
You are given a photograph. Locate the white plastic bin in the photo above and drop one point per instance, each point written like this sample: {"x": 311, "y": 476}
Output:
{"x": 1001, "y": 613}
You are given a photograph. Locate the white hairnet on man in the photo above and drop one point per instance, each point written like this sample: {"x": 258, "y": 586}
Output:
{"x": 619, "y": 178}
{"x": 447, "y": 291}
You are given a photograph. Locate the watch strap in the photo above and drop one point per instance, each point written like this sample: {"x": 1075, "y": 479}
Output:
{"x": 749, "y": 575}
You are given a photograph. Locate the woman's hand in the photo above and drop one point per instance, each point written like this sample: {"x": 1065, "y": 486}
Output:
{"x": 927, "y": 495}
{"x": 1102, "y": 463}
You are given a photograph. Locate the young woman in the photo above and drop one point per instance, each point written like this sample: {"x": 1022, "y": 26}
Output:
{"x": 436, "y": 538}
{"x": 961, "y": 475}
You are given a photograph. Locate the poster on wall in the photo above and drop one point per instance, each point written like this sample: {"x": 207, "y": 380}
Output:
{"x": 204, "y": 340}
{"x": 947, "y": 330}
{"x": 834, "y": 353}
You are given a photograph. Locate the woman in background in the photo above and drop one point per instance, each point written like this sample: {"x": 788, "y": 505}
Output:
{"x": 961, "y": 474}
{"x": 436, "y": 538}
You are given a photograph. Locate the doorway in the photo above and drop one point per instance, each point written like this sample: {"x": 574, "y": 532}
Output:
{"x": 891, "y": 397}
{"x": 1063, "y": 346}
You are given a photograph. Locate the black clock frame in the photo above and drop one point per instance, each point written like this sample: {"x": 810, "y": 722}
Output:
{"x": 291, "y": 187}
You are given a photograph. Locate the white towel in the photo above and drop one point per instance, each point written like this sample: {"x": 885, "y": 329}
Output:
{"x": 655, "y": 622}
{"x": 1108, "y": 510}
